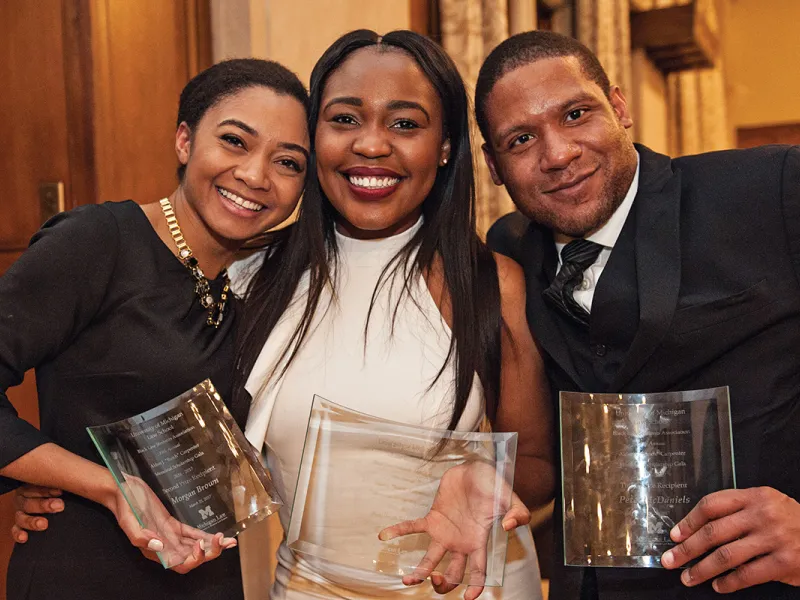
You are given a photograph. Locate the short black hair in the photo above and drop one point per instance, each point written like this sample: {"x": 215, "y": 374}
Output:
{"x": 525, "y": 48}
{"x": 228, "y": 77}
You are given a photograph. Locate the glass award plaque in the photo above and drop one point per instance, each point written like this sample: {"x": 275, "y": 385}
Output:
{"x": 633, "y": 465}
{"x": 360, "y": 474}
{"x": 187, "y": 471}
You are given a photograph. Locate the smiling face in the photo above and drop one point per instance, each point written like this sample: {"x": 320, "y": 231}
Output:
{"x": 379, "y": 142}
{"x": 559, "y": 145}
{"x": 245, "y": 163}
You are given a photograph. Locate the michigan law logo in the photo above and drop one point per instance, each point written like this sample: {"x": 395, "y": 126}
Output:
{"x": 206, "y": 513}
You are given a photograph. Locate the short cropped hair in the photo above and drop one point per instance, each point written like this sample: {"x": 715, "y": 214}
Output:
{"x": 525, "y": 48}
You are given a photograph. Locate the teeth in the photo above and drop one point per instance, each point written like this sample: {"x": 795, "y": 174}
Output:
{"x": 240, "y": 201}
{"x": 373, "y": 183}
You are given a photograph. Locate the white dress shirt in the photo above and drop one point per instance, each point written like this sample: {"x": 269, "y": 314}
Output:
{"x": 606, "y": 236}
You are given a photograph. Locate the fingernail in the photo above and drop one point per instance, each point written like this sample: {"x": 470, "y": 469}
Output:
{"x": 385, "y": 536}
{"x": 437, "y": 578}
{"x": 509, "y": 524}
{"x": 155, "y": 545}
{"x": 715, "y": 585}
{"x": 674, "y": 533}
{"x": 40, "y": 523}
{"x": 667, "y": 559}
{"x": 228, "y": 541}
{"x": 203, "y": 545}
{"x": 686, "y": 577}
{"x": 57, "y": 505}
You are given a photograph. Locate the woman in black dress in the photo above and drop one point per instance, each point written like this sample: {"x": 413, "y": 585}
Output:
{"x": 109, "y": 308}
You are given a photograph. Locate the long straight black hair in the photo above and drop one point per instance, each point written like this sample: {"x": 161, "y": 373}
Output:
{"x": 447, "y": 237}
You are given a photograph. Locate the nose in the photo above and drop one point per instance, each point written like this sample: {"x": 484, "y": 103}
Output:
{"x": 254, "y": 172}
{"x": 559, "y": 151}
{"x": 372, "y": 142}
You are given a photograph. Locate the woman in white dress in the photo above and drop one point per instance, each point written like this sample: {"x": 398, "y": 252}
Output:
{"x": 383, "y": 299}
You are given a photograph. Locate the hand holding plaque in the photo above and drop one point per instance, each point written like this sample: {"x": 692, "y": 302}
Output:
{"x": 188, "y": 475}
{"x": 179, "y": 545}
{"x": 633, "y": 466}
{"x": 447, "y": 493}
{"x": 465, "y": 509}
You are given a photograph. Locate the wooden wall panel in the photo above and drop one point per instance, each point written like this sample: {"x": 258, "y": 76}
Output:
{"x": 34, "y": 149}
{"x": 33, "y": 108}
{"x": 748, "y": 137}
{"x": 143, "y": 56}
{"x": 76, "y": 18}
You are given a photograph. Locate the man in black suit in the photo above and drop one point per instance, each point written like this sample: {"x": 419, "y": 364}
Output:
{"x": 690, "y": 279}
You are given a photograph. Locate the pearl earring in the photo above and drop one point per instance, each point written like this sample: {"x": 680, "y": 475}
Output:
{"x": 444, "y": 161}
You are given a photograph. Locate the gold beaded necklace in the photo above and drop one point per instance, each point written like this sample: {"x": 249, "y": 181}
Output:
{"x": 202, "y": 288}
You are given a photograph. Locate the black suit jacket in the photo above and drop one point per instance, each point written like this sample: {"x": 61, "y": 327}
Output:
{"x": 715, "y": 249}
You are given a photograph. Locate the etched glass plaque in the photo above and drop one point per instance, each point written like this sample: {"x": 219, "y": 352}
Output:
{"x": 634, "y": 465}
{"x": 360, "y": 474}
{"x": 187, "y": 471}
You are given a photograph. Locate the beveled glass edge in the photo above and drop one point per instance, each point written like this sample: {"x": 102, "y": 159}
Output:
{"x": 468, "y": 436}
{"x": 727, "y": 451}
{"x": 112, "y": 468}
{"x": 721, "y": 394}
{"x": 204, "y": 386}
{"x": 627, "y": 562}
{"x": 312, "y": 550}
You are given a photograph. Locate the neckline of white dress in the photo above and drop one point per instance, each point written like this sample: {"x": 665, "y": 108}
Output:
{"x": 379, "y": 248}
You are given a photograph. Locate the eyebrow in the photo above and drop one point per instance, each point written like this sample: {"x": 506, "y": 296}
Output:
{"x": 507, "y": 132}
{"x": 295, "y": 147}
{"x": 349, "y": 100}
{"x": 240, "y": 124}
{"x": 401, "y": 104}
{"x": 393, "y": 105}
{"x": 576, "y": 100}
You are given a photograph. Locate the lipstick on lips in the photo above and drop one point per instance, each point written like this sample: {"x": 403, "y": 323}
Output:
{"x": 372, "y": 183}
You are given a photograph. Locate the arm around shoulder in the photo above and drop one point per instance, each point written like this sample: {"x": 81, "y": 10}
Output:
{"x": 525, "y": 405}
{"x": 503, "y": 237}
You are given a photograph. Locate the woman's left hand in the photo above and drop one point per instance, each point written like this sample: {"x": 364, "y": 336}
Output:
{"x": 459, "y": 522}
{"x": 32, "y": 502}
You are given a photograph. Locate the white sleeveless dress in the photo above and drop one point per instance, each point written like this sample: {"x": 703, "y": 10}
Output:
{"x": 389, "y": 377}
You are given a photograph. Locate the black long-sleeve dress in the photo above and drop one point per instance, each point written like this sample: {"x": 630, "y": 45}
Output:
{"x": 109, "y": 318}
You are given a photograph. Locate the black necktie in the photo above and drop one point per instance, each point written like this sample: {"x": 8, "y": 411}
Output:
{"x": 576, "y": 257}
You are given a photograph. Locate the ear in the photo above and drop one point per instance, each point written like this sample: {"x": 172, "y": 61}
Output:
{"x": 183, "y": 143}
{"x": 488, "y": 156}
{"x": 620, "y": 106}
{"x": 444, "y": 155}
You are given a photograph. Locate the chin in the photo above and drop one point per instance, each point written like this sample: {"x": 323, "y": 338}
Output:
{"x": 236, "y": 231}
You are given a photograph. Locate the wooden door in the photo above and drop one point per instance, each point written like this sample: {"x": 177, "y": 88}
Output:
{"x": 90, "y": 96}
{"x": 34, "y": 149}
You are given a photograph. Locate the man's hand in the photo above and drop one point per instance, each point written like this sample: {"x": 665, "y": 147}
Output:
{"x": 754, "y": 532}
